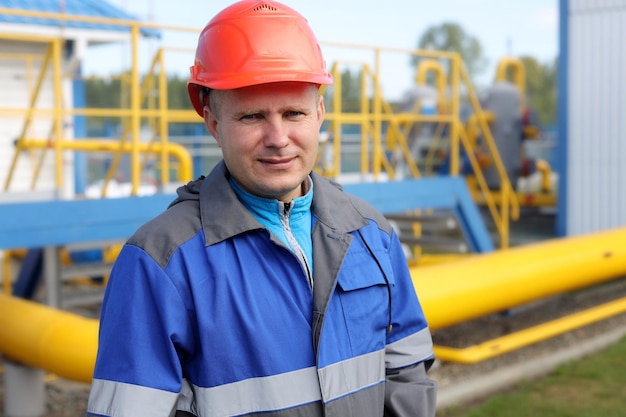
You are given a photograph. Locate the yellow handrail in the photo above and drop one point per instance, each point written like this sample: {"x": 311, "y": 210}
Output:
{"x": 376, "y": 111}
{"x": 509, "y": 204}
{"x": 93, "y": 145}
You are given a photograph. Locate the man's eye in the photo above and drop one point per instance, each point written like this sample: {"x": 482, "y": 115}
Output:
{"x": 294, "y": 113}
{"x": 250, "y": 117}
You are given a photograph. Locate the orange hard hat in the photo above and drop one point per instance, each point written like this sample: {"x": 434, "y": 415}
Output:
{"x": 255, "y": 42}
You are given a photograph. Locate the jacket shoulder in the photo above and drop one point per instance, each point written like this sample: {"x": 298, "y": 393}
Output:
{"x": 161, "y": 236}
{"x": 336, "y": 197}
{"x": 368, "y": 211}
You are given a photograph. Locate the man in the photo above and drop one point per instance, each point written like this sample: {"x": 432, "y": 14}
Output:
{"x": 264, "y": 289}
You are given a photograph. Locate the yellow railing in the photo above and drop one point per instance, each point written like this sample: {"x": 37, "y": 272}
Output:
{"x": 384, "y": 130}
{"x": 131, "y": 116}
{"x": 378, "y": 142}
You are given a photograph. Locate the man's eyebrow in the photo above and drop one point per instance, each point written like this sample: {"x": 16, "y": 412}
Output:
{"x": 297, "y": 107}
{"x": 247, "y": 112}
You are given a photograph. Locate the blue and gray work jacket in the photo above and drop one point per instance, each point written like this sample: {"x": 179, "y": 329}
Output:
{"x": 207, "y": 313}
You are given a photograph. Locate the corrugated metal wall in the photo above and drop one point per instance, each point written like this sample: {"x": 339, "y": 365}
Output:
{"x": 595, "y": 165}
{"x": 20, "y": 64}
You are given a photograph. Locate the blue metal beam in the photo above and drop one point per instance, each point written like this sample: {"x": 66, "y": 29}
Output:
{"x": 61, "y": 222}
{"x": 429, "y": 193}
{"x": 562, "y": 118}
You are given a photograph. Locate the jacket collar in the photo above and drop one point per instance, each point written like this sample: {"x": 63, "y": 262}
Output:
{"x": 334, "y": 207}
{"x": 223, "y": 216}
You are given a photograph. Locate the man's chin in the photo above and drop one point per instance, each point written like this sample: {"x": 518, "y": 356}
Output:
{"x": 283, "y": 193}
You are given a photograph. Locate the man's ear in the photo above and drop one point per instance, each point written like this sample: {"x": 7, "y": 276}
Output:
{"x": 321, "y": 111}
{"x": 210, "y": 121}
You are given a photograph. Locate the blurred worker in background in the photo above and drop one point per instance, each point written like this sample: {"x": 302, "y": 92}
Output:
{"x": 263, "y": 289}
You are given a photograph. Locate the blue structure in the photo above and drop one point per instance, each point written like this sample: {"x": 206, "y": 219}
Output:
{"x": 62, "y": 222}
{"x": 562, "y": 79}
{"x": 95, "y": 8}
{"x": 591, "y": 102}
{"x": 434, "y": 193}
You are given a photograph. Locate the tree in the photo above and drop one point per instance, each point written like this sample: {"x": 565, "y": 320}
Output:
{"x": 351, "y": 90}
{"x": 103, "y": 93}
{"x": 453, "y": 38}
{"x": 541, "y": 88}
{"x": 177, "y": 95}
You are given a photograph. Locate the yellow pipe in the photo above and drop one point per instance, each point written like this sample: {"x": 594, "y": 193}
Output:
{"x": 174, "y": 149}
{"x": 519, "y": 73}
{"x": 478, "y": 285}
{"x": 56, "y": 341}
{"x": 436, "y": 68}
{"x": 542, "y": 199}
{"x": 544, "y": 168}
{"x": 519, "y": 339}
{"x": 451, "y": 293}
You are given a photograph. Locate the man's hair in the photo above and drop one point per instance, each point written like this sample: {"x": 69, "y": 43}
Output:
{"x": 209, "y": 97}
{"x": 215, "y": 102}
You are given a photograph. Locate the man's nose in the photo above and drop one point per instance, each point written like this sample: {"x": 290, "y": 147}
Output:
{"x": 277, "y": 133}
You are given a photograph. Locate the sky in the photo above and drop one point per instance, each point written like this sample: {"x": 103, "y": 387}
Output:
{"x": 503, "y": 27}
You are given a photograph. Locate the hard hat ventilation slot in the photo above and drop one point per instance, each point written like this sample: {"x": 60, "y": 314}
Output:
{"x": 264, "y": 6}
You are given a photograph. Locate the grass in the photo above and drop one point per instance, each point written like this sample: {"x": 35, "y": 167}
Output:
{"x": 593, "y": 387}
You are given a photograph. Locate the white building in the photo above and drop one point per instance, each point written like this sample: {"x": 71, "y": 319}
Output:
{"x": 25, "y": 42}
{"x": 592, "y": 116}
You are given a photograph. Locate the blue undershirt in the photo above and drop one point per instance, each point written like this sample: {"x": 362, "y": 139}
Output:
{"x": 267, "y": 211}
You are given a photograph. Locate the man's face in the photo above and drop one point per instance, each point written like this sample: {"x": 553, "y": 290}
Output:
{"x": 268, "y": 134}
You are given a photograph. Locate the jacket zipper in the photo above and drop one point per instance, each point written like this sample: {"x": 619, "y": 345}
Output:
{"x": 284, "y": 219}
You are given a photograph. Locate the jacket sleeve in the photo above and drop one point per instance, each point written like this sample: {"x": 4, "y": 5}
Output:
{"x": 142, "y": 326}
{"x": 409, "y": 352}
{"x": 409, "y": 392}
